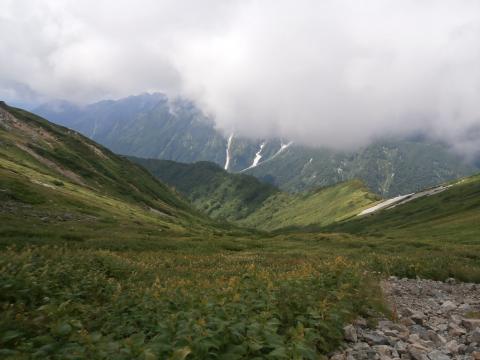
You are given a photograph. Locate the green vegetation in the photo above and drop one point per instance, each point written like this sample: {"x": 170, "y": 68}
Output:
{"x": 151, "y": 126}
{"x": 321, "y": 207}
{"x": 211, "y": 189}
{"x": 251, "y": 203}
{"x": 98, "y": 260}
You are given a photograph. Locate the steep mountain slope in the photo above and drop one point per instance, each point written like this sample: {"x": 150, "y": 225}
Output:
{"x": 152, "y": 126}
{"x": 50, "y": 174}
{"x": 210, "y": 188}
{"x": 249, "y": 202}
{"x": 449, "y": 215}
{"x": 318, "y": 207}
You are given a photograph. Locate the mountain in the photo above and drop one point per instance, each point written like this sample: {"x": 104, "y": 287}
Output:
{"x": 211, "y": 189}
{"x": 153, "y": 126}
{"x": 99, "y": 260}
{"x": 449, "y": 213}
{"x": 248, "y": 202}
{"x": 52, "y": 175}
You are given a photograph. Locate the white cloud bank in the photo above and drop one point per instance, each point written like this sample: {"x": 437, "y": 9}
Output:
{"x": 331, "y": 72}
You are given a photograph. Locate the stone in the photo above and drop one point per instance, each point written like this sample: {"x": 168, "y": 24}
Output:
{"x": 385, "y": 351}
{"x": 455, "y": 330}
{"x": 360, "y": 322}
{"x": 476, "y": 355}
{"x": 418, "y": 352}
{"x": 448, "y": 306}
{"x": 437, "y": 339}
{"x": 418, "y": 317}
{"x": 338, "y": 357}
{"x": 407, "y": 321}
{"x": 375, "y": 339}
{"x": 437, "y": 355}
{"x": 471, "y": 324}
{"x": 451, "y": 281}
{"x": 401, "y": 347}
{"x": 452, "y": 347}
{"x": 350, "y": 333}
{"x": 420, "y": 330}
{"x": 465, "y": 308}
{"x": 474, "y": 336}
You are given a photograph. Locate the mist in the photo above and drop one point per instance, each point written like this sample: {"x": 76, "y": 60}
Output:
{"x": 330, "y": 73}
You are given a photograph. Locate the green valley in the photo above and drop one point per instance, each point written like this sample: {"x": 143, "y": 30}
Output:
{"x": 100, "y": 260}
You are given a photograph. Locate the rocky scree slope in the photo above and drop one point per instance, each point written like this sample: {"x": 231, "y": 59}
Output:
{"x": 432, "y": 320}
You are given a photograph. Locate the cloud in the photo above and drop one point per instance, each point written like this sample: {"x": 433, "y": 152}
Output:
{"x": 334, "y": 73}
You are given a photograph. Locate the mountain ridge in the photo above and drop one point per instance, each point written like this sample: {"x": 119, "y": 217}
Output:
{"x": 154, "y": 126}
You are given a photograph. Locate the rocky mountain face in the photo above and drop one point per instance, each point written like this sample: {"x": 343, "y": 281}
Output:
{"x": 154, "y": 126}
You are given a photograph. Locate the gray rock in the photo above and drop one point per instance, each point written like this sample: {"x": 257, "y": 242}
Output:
{"x": 471, "y": 324}
{"x": 418, "y": 352}
{"x": 437, "y": 355}
{"x": 420, "y": 331}
{"x": 350, "y": 333}
{"x": 418, "y": 317}
{"x": 449, "y": 306}
{"x": 375, "y": 339}
{"x": 452, "y": 347}
{"x": 474, "y": 336}
{"x": 455, "y": 330}
{"x": 401, "y": 347}
{"x": 437, "y": 339}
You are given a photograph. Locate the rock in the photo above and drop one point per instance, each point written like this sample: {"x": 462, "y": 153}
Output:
{"x": 407, "y": 321}
{"x": 418, "y": 317}
{"x": 360, "y": 322}
{"x": 456, "y": 319}
{"x": 465, "y": 308}
{"x": 455, "y": 330}
{"x": 417, "y": 352}
{"x": 452, "y": 347}
{"x": 385, "y": 351}
{"x": 375, "y": 339}
{"x": 437, "y": 339}
{"x": 420, "y": 330}
{"x": 437, "y": 355}
{"x": 474, "y": 336}
{"x": 338, "y": 357}
{"x": 471, "y": 324}
{"x": 451, "y": 281}
{"x": 350, "y": 333}
{"x": 401, "y": 347}
{"x": 449, "y": 306}
{"x": 476, "y": 355}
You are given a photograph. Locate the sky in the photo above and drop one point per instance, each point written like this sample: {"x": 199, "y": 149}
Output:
{"x": 336, "y": 73}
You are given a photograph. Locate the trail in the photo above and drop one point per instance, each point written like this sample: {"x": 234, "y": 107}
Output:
{"x": 435, "y": 321}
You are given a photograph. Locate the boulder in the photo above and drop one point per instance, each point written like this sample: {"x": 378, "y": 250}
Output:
{"x": 350, "y": 333}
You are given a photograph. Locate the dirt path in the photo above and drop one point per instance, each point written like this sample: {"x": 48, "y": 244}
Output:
{"x": 434, "y": 321}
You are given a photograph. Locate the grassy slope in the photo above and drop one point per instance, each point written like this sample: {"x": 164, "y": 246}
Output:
{"x": 54, "y": 176}
{"x": 453, "y": 213}
{"x": 251, "y": 203}
{"x": 321, "y": 207}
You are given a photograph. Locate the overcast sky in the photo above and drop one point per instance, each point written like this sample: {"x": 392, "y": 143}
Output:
{"x": 322, "y": 72}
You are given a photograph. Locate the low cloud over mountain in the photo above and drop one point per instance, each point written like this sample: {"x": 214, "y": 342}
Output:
{"x": 336, "y": 72}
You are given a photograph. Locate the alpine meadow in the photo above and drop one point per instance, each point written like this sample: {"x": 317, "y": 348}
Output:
{"x": 239, "y": 180}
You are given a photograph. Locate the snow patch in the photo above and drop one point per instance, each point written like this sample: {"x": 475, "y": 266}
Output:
{"x": 229, "y": 144}
{"x": 258, "y": 156}
{"x": 402, "y": 199}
